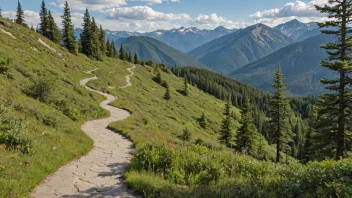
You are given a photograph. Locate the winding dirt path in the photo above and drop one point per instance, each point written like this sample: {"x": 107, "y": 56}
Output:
{"x": 98, "y": 174}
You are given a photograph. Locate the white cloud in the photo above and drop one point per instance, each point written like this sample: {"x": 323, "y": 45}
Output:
{"x": 304, "y": 12}
{"x": 144, "y": 13}
{"x": 94, "y": 5}
{"x": 151, "y": 2}
{"x": 213, "y": 20}
{"x": 31, "y": 17}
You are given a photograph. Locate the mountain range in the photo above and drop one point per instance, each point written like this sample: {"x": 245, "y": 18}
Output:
{"x": 300, "y": 64}
{"x": 295, "y": 29}
{"x": 157, "y": 51}
{"x": 183, "y": 39}
{"x": 233, "y": 51}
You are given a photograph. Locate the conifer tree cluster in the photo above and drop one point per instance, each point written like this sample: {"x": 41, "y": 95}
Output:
{"x": 90, "y": 41}
{"x": 47, "y": 25}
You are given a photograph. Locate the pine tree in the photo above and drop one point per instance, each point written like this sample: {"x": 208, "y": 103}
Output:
{"x": 130, "y": 57}
{"x": 246, "y": 137}
{"x": 310, "y": 134}
{"x": 44, "y": 21}
{"x": 203, "y": 121}
{"x": 185, "y": 87}
{"x": 281, "y": 133}
{"x": 20, "y": 15}
{"x": 122, "y": 53}
{"x": 107, "y": 47}
{"x": 226, "y": 133}
{"x": 54, "y": 33}
{"x": 95, "y": 32}
{"x": 167, "y": 95}
{"x": 336, "y": 105}
{"x": 114, "y": 51}
{"x": 0, "y": 13}
{"x": 136, "y": 59}
{"x": 87, "y": 36}
{"x": 68, "y": 37}
{"x": 102, "y": 39}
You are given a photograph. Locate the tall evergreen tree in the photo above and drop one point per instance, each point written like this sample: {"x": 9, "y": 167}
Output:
{"x": 336, "y": 105}
{"x": 68, "y": 37}
{"x": 96, "y": 48}
{"x": 114, "y": 51}
{"x": 122, "y": 53}
{"x": 86, "y": 35}
{"x": 310, "y": 134}
{"x": 226, "y": 132}
{"x": 54, "y": 33}
{"x": 107, "y": 47}
{"x": 20, "y": 15}
{"x": 102, "y": 39}
{"x": 280, "y": 128}
{"x": 136, "y": 59}
{"x": 130, "y": 57}
{"x": 246, "y": 137}
{"x": 44, "y": 21}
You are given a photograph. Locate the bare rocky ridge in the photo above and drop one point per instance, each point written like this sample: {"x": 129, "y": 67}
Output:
{"x": 99, "y": 173}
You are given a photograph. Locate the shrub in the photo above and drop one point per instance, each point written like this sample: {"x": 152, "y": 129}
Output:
{"x": 209, "y": 173}
{"x": 13, "y": 133}
{"x": 42, "y": 88}
{"x": 5, "y": 67}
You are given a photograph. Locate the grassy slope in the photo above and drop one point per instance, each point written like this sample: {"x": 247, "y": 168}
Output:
{"x": 155, "y": 119}
{"x": 48, "y": 127}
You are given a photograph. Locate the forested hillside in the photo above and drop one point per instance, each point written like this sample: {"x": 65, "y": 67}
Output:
{"x": 158, "y": 52}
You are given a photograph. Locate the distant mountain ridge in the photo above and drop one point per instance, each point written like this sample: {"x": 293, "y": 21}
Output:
{"x": 300, "y": 63}
{"x": 295, "y": 29}
{"x": 152, "y": 49}
{"x": 183, "y": 39}
{"x": 233, "y": 51}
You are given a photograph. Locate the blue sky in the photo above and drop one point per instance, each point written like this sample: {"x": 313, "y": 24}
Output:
{"x": 149, "y": 15}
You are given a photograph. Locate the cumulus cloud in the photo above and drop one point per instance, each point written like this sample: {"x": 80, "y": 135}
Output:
{"x": 144, "y": 13}
{"x": 31, "y": 17}
{"x": 293, "y": 10}
{"x": 213, "y": 20}
{"x": 94, "y": 5}
{"x": 151, "y": 2}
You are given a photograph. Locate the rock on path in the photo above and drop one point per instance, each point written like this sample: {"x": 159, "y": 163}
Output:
{"x": 98, "y": 174}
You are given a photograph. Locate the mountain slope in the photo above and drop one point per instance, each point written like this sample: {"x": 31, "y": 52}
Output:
{"x": 183, "y": 39}
{"x": 294, "y": 28}
{"x": 152, "y": 49}
{"x": 235, "y": 50}
{"x": 300, "y": 63}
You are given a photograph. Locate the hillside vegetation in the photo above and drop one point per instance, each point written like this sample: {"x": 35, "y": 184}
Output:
{"x": 43, "y": 104}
